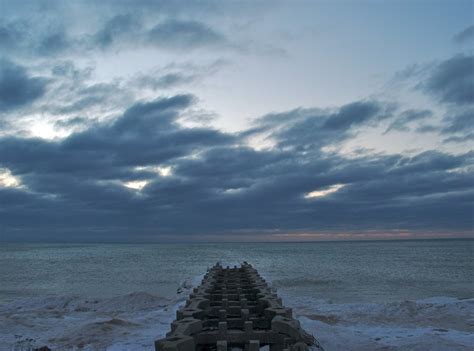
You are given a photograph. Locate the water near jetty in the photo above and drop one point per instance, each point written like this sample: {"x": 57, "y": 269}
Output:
{"x": 397, "y": 295}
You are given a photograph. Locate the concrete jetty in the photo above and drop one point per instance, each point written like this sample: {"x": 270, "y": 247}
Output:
{"x": 235, "y": 309}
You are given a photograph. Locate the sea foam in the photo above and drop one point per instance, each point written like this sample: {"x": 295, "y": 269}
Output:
{"x": 133, "y": 321}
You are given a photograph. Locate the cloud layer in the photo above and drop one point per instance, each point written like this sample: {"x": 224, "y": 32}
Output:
{"x": 17, "y": 87}
{"x": 130, "y": 156}
{"x": 79, "y": 186}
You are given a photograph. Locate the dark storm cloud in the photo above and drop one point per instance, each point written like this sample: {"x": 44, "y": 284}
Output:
{"x": 218, "y": 185}
{"x": 452, "y": 81}
{"x": 465, "y": 35}
{"x": 306, "y": 129}
{"x": 17, "y": 87}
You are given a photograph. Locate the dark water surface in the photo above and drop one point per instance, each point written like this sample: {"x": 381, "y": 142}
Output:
{"x": 375, "y": 271}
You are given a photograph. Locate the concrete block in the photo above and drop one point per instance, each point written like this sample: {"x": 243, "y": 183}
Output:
{"x": 300, "y": 346}
{"x": 221, "y": 345}
{"x": 287, "y": 326}
{"x": 270, "y": 313}
{"x": 175, "y": 343}
{"x": 254, "y": 345}
{"x": 186, "y": 326}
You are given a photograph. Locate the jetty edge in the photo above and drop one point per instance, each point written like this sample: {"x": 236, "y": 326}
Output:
{"x": 235, "y": 308}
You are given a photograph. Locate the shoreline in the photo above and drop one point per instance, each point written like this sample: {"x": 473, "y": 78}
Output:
{"x": 135, "y": 320}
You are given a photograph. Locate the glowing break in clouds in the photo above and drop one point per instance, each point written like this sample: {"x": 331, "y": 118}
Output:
{"x": 136, "y": 184}
{"x": 163, "y": 171}
{"x": 7, "y": 180}
{"x": 324, "y": 192}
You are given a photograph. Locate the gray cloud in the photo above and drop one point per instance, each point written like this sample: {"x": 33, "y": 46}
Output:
{"x": 460, "y": 139}
{"x": 35, "y": 38}
{"x": 452, "y": 81}
{"x": 353, "y": 114}
{"x": 175, "y": 75}
{"x": 115, "y": 29}
{"x": 145, "y": 134}
{"x": 51, "y": 32}
{"x": 74, "y": 122}
{"x": 75, "y": 188}
{"x": 17, "y": 87}
{"x": 406, "y": 117}
{"x": 183, "y": 35}
{"x": 462, "y": 122}
{"x": 465, "y": 35}
{"x": 306, "y": 129}
{"x": 219, "y": 185}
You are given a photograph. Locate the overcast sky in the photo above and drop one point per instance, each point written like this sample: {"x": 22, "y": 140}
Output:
{"x": 230, "y": 120}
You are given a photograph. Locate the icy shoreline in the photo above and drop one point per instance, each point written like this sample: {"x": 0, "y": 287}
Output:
{"x": 134, "y": 321}
{"x": 435, "y": 324}
{"x": 129, "y": 322}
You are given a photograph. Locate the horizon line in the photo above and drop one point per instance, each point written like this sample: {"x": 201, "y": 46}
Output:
{"x": 240, "y": 242}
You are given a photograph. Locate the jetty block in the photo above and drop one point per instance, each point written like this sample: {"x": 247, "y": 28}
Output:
{"x": 234, "y": 308}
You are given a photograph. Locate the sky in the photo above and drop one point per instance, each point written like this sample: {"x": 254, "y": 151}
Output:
{"x": 144, "y": 121}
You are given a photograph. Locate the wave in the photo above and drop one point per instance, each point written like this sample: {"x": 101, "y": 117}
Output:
{"x": 437, "y": 324}
{"x": 71, "y": 322}
{"x": 301, "y": 282}
{"x": 133, "y": 321}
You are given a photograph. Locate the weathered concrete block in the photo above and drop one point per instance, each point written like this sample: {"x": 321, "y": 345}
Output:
{"x": 254, "y": 345}
{"x": 248, "y": 327}
{"x": 270, "y": 313}
{"x": 175, "y": 343}
{"x": 222, "y": 329}
{"x": 287, "y": 326}
{"x": 190, "y": 313}
{"x": 244, "y": 314}
{"x": 234, "y": 307}
{"x": 300, "y": 346}
{"x": 221, "y": 345}
{"x": 186, "y": 326}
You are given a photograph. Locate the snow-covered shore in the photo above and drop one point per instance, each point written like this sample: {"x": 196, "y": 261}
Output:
{"x": 134, "y": 321}
{"x": 436, "y": 324}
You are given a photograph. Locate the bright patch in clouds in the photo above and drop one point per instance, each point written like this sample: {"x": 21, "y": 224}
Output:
{"x": 163, "y": 171}
{"x": 7, "y": 180}
{"x": 140, "y": 184}
{"x": 45, "y": 130}
{"x": 324, "y": 192}
{"x": 136, "y": 184}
